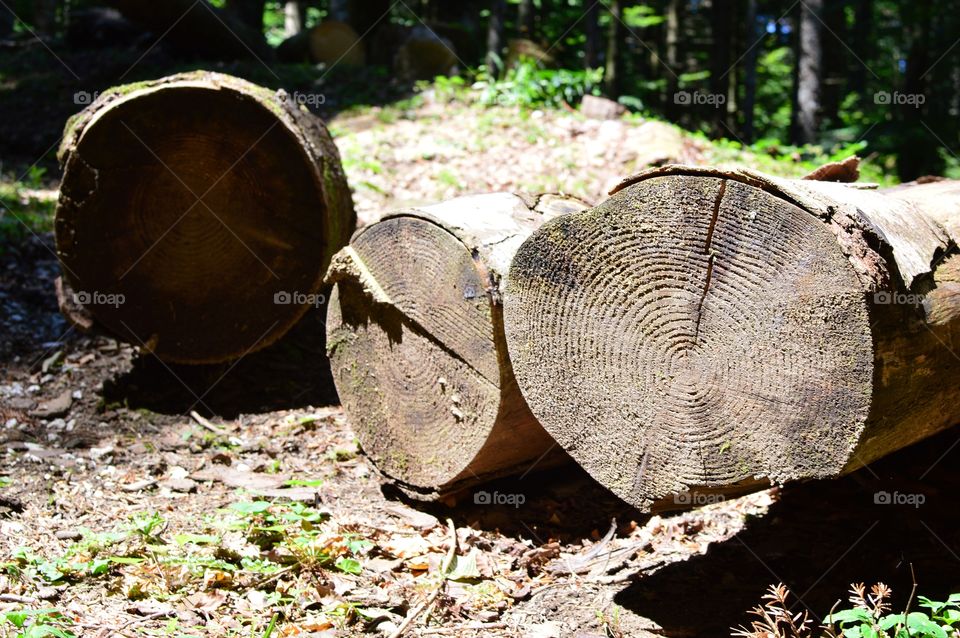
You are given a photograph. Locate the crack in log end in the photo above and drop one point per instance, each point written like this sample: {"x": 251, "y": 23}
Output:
{"x": 707, "y": 250}
{"x": 706, "y": 288}
{"x": 716, "y": 214}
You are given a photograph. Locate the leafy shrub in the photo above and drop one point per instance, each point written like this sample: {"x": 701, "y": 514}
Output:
{"x": 529, "y": 85}
{"x": 868, "y": 617}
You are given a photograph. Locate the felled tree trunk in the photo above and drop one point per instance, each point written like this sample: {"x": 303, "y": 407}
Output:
{"x": 198, "y": 214}
{"x": 415, "y": 338}
{"x": 708, "y": 330}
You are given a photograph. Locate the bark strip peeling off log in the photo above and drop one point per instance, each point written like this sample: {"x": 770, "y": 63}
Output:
{"x": 712, "y": 330}
{"x": 415, "y": 338}
{"x": 198, "y": 214}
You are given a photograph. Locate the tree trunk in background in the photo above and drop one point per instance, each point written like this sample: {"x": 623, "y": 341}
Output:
{"x": 737, "y": 330}
{"x": 914, "y": 158}
{"x": 673, "y": 57}
{"x": 494, "y": 58}
{"x": 612, "y": 71}
{"x": 45, "y": 16}
{"x": 416, "y": 346}
{"x": 836, "y": 70}
{"x": 591, "y": 51}
{"x": 862, "y": 45}
{"x": 722, "y": 76}
{"x": 526, "y": 18}
{"x": 250, "y": 12}
{"x": 806, "y": 111}
{"x": 339, "y": 10}
{"x": 294, "y": 17}
{"x": 755, "y": 46}
{"x": 362, "y": 15}
{"x": 6, "y": 22}
{"x": 197, "y": 27}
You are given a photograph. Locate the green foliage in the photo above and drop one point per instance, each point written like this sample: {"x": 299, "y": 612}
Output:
{"x": 39, "y": 623}
{"x": 24, "y": 212}
{"x": 641, "y": 16}
{"x": 529, "y": 85}
{"x": 774, "y": 87}
{"x": 869, "y": 616}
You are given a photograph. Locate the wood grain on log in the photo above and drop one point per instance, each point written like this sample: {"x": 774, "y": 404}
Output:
{"x": 208, "y": 207}
{"x": 714, "y": 330}
{"x": 415, "y": 338}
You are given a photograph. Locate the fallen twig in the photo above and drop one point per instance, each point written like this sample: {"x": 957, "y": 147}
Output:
{"x": 475, "y": 627}
{"x": 444, "y": 570}
{"x": 416, "y": 612}
{"x": 206, "y": 424}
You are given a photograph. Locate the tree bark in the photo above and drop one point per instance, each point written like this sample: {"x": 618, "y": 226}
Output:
{"x": 750, "y": 71}
{"x": 494, "y": 58}
{"x": 611, "y": 73}
{"x": 250, "y": 12}
{"x": 862, "y": 44}
{"x": 526, "y": 18}
{"x": 591, "y": 51}
{"x": 722, "y": 75}
{"x": 914, "y": 158}
{"x": 710, "y": 330}
{"x": 415, "y": 339}
{"x": 45, "y": 16}
{"x": 673, "y": 56}
{"x": 7, "y": 20}
{"x": 806, "y": 112}
{"x": 835, "y": 72}
{"x": 198, "y": 28}
{"x": 199, "y": 238}
{"x": 365, "y": 15}
{"x": 294, "y": 17}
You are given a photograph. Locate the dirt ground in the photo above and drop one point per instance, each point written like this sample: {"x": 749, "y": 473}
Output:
{"x": 143, "y": 499}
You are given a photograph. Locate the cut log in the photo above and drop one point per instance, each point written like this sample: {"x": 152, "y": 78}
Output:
{"x": 198, "y": 214}
{"x": 336, "y": 43}
{"x": 707, "y": 330}
{"x": 425, "y": 55}
{"x": 415, "y": 338}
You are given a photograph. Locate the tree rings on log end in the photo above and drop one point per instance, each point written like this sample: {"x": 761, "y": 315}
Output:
{"x": 692, "y": 332}
{"x": 415, "y": 339}
{"x": 198, "y": 214}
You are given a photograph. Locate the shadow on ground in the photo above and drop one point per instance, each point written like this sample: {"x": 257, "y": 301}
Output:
{"x": 563, "y": 503}
{"x": 292, "y": 373}
{"x": 818, "y": 539}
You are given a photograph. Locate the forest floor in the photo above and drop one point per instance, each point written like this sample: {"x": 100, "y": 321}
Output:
{"x": 122, "y": 514}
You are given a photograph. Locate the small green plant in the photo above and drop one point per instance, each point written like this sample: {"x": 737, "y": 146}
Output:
{"x": 868, "y": 617}
{"x": 147, "y": 524}
{"x": 528, "y": 85}
{"x": 39, "y": 623}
